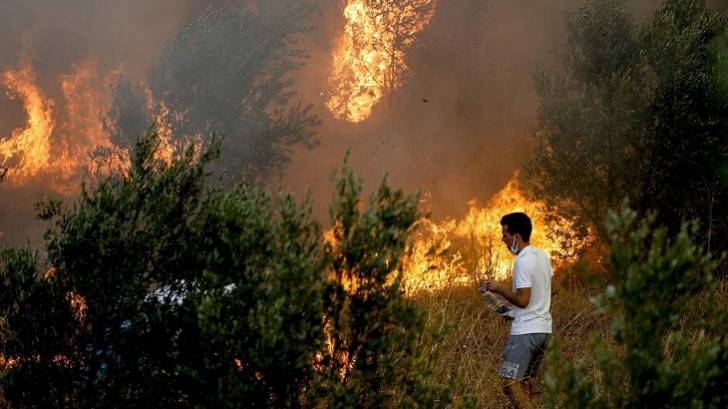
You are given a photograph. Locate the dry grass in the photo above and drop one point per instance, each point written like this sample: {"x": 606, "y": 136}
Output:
{"x": 469, "y": 355}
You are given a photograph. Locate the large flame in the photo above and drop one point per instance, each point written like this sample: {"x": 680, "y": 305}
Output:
{"x": 43, "y": 149}
{"x": 471, "y": 250}
{"x": 82, "y": 129}
{"x": 369, "y": 59}
{"x": 54, "y": 143}
{"x": 27, "y": 150}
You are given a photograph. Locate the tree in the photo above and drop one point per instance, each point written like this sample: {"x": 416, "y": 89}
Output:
{"x": 370, "y": 359}
{"x": 669, "y": 344}
{"x": 186, "y": 294}
{"x": 400, "y": 21}
{"x": 640, "y": 113}
{"x": 233, "y": 57}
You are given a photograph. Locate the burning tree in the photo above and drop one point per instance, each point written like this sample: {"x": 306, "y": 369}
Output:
{"x": 370, "y": 60}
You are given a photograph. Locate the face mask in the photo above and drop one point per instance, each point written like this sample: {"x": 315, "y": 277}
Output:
{"x": 514, "y": 247}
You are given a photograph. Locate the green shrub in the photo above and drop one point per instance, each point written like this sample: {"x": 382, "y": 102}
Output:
{"x": 669, "y": 344}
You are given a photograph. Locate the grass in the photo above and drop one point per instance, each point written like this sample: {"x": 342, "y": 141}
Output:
{"x": 469, "y": 354}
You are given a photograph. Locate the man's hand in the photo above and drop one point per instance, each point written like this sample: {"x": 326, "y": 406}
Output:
{"x": 494, "y": 286}
{"x": 520, "y": 298}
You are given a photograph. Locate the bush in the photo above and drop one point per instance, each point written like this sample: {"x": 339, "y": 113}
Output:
{"x": 669, "y": 346}
{"x": 166, "y": 291}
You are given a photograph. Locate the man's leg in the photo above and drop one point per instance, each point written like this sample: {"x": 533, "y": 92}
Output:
{"x": 520, "y": 359}
{"x": 515, "y": 362}
{"x": 517, "y": 393}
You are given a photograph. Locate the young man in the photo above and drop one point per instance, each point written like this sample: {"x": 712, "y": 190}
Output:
{"x": 531, "y": 299}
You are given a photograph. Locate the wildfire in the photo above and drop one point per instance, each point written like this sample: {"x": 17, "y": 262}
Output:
{"x": 470, "y": 250}
{"x": 82, "y": 130}
{"x": 27, "y": 150}
{"x": 55, "y": 141}
{"x": 369, "y": 59}
{"x": 40, "y": 148}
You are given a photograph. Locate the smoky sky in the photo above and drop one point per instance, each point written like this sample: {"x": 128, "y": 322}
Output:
{"x": 463, "y": 122}
{"x": 458, "y": 128}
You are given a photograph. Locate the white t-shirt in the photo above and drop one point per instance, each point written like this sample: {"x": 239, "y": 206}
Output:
{"x": 532, "y": 268}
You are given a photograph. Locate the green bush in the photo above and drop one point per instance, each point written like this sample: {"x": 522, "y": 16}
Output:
{"x": 190, "y": 295}
{"x": 669, "y": 344}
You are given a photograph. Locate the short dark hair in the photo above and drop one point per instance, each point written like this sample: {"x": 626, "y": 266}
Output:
{"x": 518, "y": 223}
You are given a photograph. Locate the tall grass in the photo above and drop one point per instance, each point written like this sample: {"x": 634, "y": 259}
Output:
{"x": 469, "y": 354}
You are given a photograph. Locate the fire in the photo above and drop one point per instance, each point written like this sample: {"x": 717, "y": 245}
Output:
{"x": 369, "y": 59}
{"x": 82, "y": 130}
{"x": 54, "y": 143}
{"x": 27, "y": 150}
{"x": 470, "y": 250}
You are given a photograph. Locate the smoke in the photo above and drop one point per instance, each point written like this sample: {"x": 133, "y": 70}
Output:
{"x": 458, "y": 128}
{"x": 463, "y": 122}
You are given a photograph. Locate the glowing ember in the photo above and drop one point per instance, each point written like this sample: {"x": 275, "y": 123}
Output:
{"x": 369, "y": 59}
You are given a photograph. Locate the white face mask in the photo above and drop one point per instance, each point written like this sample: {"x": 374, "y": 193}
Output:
{"x": 514, "y": 247}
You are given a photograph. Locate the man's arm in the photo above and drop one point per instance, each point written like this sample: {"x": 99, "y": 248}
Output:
{"x": 520, "y": 298}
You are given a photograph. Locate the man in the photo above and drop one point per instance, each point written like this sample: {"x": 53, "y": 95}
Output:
{"x": 531, "y": 299}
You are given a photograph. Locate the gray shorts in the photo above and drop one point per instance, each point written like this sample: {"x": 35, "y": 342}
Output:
{"x": 523, "y": 354}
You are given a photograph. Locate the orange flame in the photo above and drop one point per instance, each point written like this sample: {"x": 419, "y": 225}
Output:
{"x": 42, "y": 149}
{"x": 27, "y": 150}
{"x": 470, "y": 250}
{"x": 467, "y": 251}
{"x": 60, "y": 154}
{"x": 370, "y": 54}
{"x": 82, "y": 130}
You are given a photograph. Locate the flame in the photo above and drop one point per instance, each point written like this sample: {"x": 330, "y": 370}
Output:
{"x": 470, "y": 250}
{"x": 60, "y": 154}
{"x": 369, "y": 58}
{"x": 82, "y": 130}
{"x": 27, "y": 150}
{"x": 41, "y": 149}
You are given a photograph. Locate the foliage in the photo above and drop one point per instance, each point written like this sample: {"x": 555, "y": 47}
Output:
{"x": 234, "y": 57}
{"x": 370, "y": 359}
{"x": 35, "y": 347}
{"x": 671, "y": 348}
{"x": 642, "y": 113}
{"x": 186, "y": 295}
